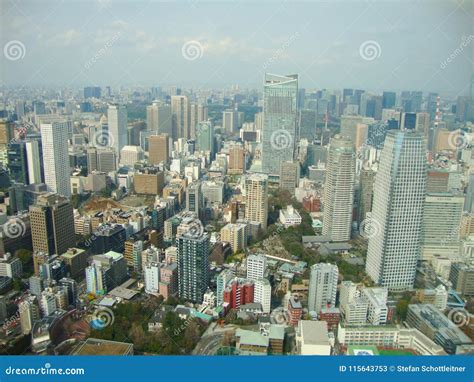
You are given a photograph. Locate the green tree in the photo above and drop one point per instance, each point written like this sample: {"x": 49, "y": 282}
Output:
{"x": 25, "y": 256}
{"x": 402, "y": 309}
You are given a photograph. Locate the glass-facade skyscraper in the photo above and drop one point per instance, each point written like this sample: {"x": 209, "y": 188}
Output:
{"x": 279, "y": 135}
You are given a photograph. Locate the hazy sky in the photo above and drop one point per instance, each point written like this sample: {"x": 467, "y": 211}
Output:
{"x": 370, "y": 45}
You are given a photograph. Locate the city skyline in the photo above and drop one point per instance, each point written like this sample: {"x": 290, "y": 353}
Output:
{"x": 237, "y": 178}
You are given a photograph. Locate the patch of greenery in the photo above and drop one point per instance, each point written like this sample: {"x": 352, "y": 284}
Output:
{"x": 177, "y": 336}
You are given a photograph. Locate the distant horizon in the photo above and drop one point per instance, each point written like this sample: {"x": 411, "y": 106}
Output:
{"x": 221, "y": 88}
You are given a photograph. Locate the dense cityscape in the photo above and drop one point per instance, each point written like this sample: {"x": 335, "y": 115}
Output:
{"x": 282, "y": 219}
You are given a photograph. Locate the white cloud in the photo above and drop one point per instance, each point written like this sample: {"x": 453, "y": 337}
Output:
{"x": 65, "y": 39}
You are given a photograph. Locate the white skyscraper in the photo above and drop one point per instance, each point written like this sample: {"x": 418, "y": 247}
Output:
{"x": 33, "y": 162}
{"x": 322, "y": 286}
{"x": 397, "y": 214}
{"x": 117, "y": 122}
{"x": 256, "y": 266}
{"x": 54, "y": 137}
{"x": 152, "y": 278}
{"x": 339, "y": 189}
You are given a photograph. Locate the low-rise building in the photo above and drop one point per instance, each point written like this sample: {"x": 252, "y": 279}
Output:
{"x": 289, "y": 217}
{"x": 436, "y": 326}
{"x": 312, "y": 338}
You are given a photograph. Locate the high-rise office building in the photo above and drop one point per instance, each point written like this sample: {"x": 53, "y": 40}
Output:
{"x": 198, "y": 115}
{"x": 106, "y": 160}
{"x": 397, "y": 213}
{"x": 130, "y": 155}
{"x": 349, "y": 125}
{"x": 158, "y": 149}
{"x": 117, "y": 122}
{"x": 106, "y": 272}
{"x": 322, "y": 286}
{"x": 91, "y": 159}
{"x": 181, "y": 114}
{"x": 236, "y": 160}
{"x": 194, "y": 199}
{"x": 388, "y": 100}
{"x": 52, "y": 224}
{"x": 256, "y": 196}
{"x": 339, "y": 189}
{"x": 54, "y": 138}
{"x": 289, "y": 176}
{"x": 205, "y": 137}
{"x": 92, "y": 92}
{"x": 20, "y": 109}
{"x": 17, "y": 162}
{"x": 33, "y": 159}
{"x": 366, "y": 192}
{"x": 159, "y": 118}
{"x": 230, "y": 121}
{"x": 193, "y": 265}
{"x": 279, "y": 133}
{"x": 442, "y": 239}
{"x": 7, "y": 132}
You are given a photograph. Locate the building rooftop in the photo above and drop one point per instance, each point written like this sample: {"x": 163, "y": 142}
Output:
{"x": 314, "y": 332}
{"x": 121, "y": 292}
{"x": 295, "y": 304}
{"x": 315, "y": 239}
{"x": 248, "y": 337}
{"x": 362, "y": 350}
